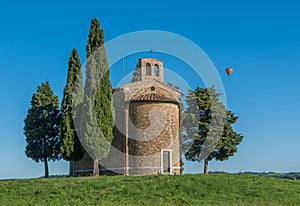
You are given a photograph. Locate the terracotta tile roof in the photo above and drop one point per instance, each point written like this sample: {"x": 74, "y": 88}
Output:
{"x": 152, "y": 97}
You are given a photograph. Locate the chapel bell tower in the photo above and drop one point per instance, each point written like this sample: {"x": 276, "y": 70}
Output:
{"x": 151, "y": 68}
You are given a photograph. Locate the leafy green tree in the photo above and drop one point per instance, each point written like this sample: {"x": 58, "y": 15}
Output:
{"x": 42, "y": 126}
{"x": 207, "y": 125}
{"x": 70, "y": 145}
{"x": 97, "y": 121}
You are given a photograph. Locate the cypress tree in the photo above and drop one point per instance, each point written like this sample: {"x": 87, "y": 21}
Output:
{"x": 42, "y": 125}
{"x": 97, "y": 121}
{"x": 70, "y": 146}
{"x": 137, "y": 73}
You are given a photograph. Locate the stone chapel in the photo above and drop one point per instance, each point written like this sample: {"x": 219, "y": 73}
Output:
{"x": 147, "y": 130}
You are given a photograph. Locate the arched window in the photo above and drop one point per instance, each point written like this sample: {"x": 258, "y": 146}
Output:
{"x": 156, "y": 70}
{"x": 148, "y": 69}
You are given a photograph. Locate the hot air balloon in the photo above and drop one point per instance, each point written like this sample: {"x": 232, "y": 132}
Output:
{"x": 229, "y": 71}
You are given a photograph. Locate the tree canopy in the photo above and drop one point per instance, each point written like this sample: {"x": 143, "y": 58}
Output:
{"x": 70, "y": 145}
{"x": 137, "y": 73}
{"x": 42, "y": 126}
{"x": 207, "y": 125}
{"x": 97, "y": 121}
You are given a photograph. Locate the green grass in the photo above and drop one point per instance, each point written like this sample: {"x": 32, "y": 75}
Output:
{"x": 212, "y": 189}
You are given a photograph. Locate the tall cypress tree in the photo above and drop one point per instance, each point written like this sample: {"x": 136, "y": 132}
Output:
{"x": 42, "y": 125}
{"x": 70, "y": 146}
{"x": 97, "y": 121}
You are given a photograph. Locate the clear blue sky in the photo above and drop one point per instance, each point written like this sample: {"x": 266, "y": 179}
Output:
{"x": 259, "y": 39}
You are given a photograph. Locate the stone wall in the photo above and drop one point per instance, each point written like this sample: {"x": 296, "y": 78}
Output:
{"x": 155, "y": 127}
{"x": 84, "y": 167}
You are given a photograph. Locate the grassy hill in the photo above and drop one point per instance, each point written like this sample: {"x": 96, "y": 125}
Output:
{"x": 212, "y": 189}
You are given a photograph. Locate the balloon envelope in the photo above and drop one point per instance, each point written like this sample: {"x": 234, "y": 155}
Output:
{"x": 229, "y": 71}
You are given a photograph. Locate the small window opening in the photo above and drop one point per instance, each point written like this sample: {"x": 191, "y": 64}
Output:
{"x": 156, "y": 70}
{"x": 148, "y": 69}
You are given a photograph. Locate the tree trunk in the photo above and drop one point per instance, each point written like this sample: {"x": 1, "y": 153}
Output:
{"x": 96, "y": 168}
{"x": 205, "y": 166}
{"x": 46, "y": 168}
{"x": 71, "y": 171}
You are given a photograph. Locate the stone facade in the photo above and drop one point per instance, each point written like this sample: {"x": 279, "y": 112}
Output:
{"x": 147, "y": 132}
{"x": 151, "y": 134}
